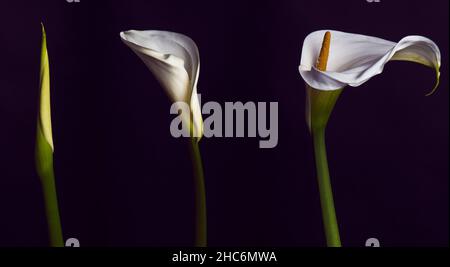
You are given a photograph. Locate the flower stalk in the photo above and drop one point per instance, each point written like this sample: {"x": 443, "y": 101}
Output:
{"x": 200, "y": 195}
{"x": 326, "y": 193}
{"x": 200, "y": 191}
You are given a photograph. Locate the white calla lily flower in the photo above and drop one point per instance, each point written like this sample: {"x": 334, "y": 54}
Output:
{"x": 332, "y": 60}
{"x": 174, "y": 60}
{"x": 354, "y": 58}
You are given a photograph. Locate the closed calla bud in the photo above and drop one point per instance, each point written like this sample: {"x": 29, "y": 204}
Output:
{"x": 44, "y": 150}
{"x": 44, "y": 143}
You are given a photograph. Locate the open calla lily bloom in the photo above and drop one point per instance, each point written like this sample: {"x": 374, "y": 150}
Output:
{"x": 174, "y": 60}
{"x": 354, "y": 58}
{"x": 332, "y": 60}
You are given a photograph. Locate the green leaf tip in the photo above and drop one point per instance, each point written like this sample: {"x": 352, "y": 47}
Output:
{"x": 43, "y": 28}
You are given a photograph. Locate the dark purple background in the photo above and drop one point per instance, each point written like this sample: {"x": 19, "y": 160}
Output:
{"x": 124, "y": 181}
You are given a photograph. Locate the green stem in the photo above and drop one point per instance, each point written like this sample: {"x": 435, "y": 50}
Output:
{"x": 52, "y": 211}
{"x": 200, "y": 195}
{"x": 326, "y": 194}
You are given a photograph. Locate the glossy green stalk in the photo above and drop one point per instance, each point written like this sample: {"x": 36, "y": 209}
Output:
{"x": 44, "y": 151}
{"x": 200, "y": 195}
{"x": 326, "y": 193}
{"x": 320, "y": 104}
{"x": 200, "y": 191}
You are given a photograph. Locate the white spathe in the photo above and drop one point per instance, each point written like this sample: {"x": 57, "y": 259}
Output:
{"x": 174, "y": 60}
{"x": 354, "y": 58}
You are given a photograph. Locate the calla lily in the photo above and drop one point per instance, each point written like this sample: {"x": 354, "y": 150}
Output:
{"x": 174, "y": 60}
{"x": 332, "y": 60}
{"x": 44, "y": 150}
{"x": 354, "y": 58}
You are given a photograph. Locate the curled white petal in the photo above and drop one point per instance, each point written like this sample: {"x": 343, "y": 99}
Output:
{"x": 355, "y": 58}
{"x": 174, "y": 60}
